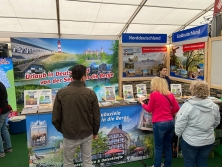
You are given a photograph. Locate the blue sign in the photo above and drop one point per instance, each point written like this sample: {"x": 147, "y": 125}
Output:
{"x": 144, "y": 38}
{"x": 192, "y": 33}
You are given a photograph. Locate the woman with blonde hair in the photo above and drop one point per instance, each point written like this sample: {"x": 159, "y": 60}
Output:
{"x": 163, "y": 106}
{"x": 195, "y": 123}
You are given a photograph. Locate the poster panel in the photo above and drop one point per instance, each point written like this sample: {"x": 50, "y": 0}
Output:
{"x": 143, "y": 61}
{"x": 7, "y": 78}
{"x": 187, "y": 61}
{"x": 45, "y": 63}
{"x": 119, "y": 141}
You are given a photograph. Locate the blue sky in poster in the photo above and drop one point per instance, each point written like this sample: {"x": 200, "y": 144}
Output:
{"x": 74, "y": 46}
{"x": 128, "y": 116}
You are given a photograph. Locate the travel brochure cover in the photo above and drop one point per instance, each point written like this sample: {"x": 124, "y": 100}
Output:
{"x": 176, "y": 89}
{"x": 141, "y": 89}
{"x": 110, "y": 94}
{"x": 128, "y": 92}
{"x": 145, "y": 121}
{"x": 31, "y": 98}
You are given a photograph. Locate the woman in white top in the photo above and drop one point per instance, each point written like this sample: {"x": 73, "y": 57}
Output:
{"x": 195, "y": 123}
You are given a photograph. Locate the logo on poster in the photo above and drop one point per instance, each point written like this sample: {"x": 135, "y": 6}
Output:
{"x": 4, "y": 61}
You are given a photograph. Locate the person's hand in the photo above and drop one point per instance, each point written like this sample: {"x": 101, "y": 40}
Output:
{"x": 95, "y": 137}
{"x": 141, "y": 100}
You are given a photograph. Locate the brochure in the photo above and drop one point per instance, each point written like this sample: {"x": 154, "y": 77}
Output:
{"x": 110, "y": 94}
{"x": 31, "y": 98}
{"x": 106, "y": 103}
{"x": 145, "y": 122}
{"x": 54, "y": 92}
{"x": 29, "y": 110}
{"x": 141, "y": 89}
{"x": 38, "y": 131}
{"x": 45, "y": 100}
{"x": 128, "y": 92}
{"x": 176, "y": 89}
{"x": 129, "y": 101}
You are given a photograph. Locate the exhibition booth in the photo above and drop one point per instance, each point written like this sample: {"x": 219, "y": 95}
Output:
{"x": 118, "y": 71}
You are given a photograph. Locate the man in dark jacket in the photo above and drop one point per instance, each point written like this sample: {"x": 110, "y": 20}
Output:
{"x": 4, "y": 111}
{"x": 76, "y": 115}
{"x": 163, "y": 74}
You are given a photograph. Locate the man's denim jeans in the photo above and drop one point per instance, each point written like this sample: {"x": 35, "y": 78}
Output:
{"x": 163, "y": 136}
{"x": 4, "y": 132}
{"x": 195, "y": 155}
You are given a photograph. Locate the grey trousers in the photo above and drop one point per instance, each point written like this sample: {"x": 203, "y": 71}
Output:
{"x": 69, "y": 148}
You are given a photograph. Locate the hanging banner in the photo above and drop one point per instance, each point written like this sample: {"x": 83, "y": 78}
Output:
{"x": 192, "y": 33}
{"x": 143, "y": 61}
{"x": 7, "y": 78}
{"x": 119, "y": 139}
{"x": 144, "y": 38}
{"x": 43, "y": 63}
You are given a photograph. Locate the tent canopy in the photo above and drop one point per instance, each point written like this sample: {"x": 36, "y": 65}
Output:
{"x": 105, "y": 19}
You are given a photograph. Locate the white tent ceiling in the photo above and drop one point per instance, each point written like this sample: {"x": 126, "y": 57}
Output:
{"x": 99, "y": 18}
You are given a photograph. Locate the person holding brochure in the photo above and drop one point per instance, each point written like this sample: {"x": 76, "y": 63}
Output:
{"x": 5, "y": 109}
{"x": 163, "y": 74}
{"x": 76, "y": 115}
{"x": 195, "y": 123}
{"x": 163, "y": 106}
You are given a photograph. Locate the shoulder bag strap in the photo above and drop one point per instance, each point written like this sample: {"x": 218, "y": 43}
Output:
{"x": 168, "y": 100}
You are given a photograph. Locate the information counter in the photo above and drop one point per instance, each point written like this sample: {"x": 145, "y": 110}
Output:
{"x": 125, "y": 135}
{"x": 120, "y": 140}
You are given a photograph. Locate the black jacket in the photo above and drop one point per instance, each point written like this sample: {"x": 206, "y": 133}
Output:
{"x": 168, "y": 81}
{"x": 76, "y": 111}
{"x": 3, "y": 99}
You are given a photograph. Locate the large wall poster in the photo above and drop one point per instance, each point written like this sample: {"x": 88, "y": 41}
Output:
{"x": 143, "y": 61}
{"x": 7, "y": 78}
{"x": 119, "y": 140}
{"x": 46, "y": 63}
{"x": 187, "y": 61}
